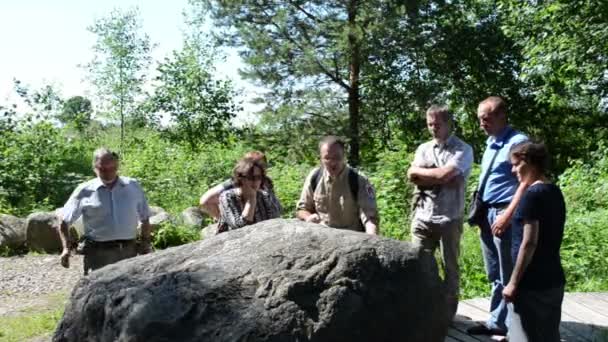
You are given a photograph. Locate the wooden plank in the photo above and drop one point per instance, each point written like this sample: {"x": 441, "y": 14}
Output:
{"x": 601, "y": 296}
{"x": 450, "y": 339}
{"x": 472, "y": 311}
{"x": 461, "y": 336}
{"x": 590, "y": 302}
{"x": 583, "y": 313}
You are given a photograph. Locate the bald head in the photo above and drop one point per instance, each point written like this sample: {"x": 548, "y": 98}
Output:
{"x": 492, "y": 115}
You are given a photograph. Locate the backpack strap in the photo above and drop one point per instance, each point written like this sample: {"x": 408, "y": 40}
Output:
{"x": 353, "y": 181}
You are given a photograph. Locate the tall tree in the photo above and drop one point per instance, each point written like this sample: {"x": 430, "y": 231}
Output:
{"x": 121, "y": 61}
{"x": 200, "y": 105}
{"x": 297, "y": 45}
{"x": 76, "y": 111}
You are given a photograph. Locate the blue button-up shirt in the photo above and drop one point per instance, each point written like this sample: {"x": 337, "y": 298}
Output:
{"x": 502, "y": 183}
{"x": 108, "y": 214}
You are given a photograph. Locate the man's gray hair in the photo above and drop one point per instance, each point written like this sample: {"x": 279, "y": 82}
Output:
{"x": 104, "y": 153}
{"x": 441, "y": 111}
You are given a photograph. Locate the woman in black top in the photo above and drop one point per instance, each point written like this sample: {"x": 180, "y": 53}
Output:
{"x": 536, "y": 287}
{"x": 247, "y": 202}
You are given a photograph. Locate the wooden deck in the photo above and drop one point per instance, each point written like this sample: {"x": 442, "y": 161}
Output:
{"x": 584, "y": 318}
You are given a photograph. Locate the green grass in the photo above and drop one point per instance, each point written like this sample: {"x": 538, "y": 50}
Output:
{"x": 33, "y": 322}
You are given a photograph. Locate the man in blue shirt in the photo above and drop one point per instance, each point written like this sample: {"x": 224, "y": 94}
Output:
{"x": 501, "y": 194}
{"x": 111, "y": 207}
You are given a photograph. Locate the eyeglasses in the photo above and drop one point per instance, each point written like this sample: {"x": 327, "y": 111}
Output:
{"x": 252, "y": 177}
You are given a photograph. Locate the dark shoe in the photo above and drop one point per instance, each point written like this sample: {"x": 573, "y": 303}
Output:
{"x": 481, "y": 329}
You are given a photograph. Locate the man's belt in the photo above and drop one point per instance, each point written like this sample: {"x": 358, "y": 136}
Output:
{"x": 110, "y": 243}
{"x": 499, "y": 205}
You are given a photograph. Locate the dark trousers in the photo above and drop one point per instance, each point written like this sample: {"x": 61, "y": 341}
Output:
{"x": 540, "y": 312}
{"x": 100, "y": 254}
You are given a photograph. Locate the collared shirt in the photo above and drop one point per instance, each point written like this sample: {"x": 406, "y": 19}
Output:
{"x": 333, "y": 200}
{"x": 502, "y": 183}
{"x": 443, "y": 203}
{"x": 108, "y": 214}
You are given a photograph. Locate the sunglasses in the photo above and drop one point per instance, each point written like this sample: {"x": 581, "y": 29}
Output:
{"x": 252, "y": 177}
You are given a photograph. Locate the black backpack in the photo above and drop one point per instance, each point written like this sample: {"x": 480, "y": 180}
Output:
{"x": 353, "y": 181}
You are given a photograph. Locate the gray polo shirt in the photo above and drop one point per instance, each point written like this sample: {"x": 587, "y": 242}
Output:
{"x": 443, "y": 203}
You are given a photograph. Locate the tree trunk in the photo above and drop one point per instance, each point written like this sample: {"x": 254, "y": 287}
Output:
{"x": 354, "y": 100}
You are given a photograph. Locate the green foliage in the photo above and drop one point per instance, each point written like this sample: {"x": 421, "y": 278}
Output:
{"x": 170, "y": 235}
{"x": 584, "y": 256}
{"x": 38, "y": 167}
{"x": 76, "y": 111}
{"x": 393, "y": 192}
{"x": 288, "y": 180}
{"x": 119, "y": 67}
{"x": 585, "y": 184}
{"x": 201, "y": 106}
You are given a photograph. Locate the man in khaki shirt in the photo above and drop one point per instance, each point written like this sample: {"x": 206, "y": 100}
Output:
{"x": 336, "y": 195}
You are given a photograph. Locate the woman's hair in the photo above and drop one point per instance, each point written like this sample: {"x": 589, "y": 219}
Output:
{"x": 244, "y": 168}
{"x": 534, "y": 154}
{"x": 257, "y": 156}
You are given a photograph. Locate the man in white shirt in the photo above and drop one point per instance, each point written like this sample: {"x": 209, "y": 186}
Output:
{"x": 111, "y": 207}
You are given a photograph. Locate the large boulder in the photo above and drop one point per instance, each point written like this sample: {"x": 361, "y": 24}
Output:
{"x": 158, "y": 216}
{"x": 42, "y": 232}
{"x": 193, "y": 216}
{"x": 279, "y": 280}
{"x": 12, "y": 232}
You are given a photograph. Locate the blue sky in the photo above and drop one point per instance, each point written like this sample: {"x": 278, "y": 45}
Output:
{"x": 44, "y": 41}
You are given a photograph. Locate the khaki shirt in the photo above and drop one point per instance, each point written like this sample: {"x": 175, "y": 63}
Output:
{"x": 443, "y": 203}
{"x": 333, "y": 201}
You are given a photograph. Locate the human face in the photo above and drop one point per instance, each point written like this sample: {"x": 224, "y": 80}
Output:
{"x": 332, "y": 158}
{"x": 491, "y": 122}
{"x": 439, "y": 128}
{"x": 253, "y": 179}
{"x": 521, "y": 169}
{"x": 106, "y": 169}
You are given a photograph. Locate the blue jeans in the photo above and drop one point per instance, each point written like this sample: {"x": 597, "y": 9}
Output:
{"x": 497, "y": 257}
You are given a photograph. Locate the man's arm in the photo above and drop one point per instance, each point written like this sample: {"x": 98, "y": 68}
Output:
{"x": 432, "y": 176}
{"x": 503, "y": 220}
{"x": 524, "y": 256}
{"x": 366, "y": 198}
{"x": 64, "y": 234}
{"x": 305, "y": 208}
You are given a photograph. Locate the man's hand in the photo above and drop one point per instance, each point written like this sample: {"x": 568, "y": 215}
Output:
{"x": 64, "y": 259}
{"x": 509, "y": 292}
{"x": 314, "y": 218}
{"x": 500, "y": 224}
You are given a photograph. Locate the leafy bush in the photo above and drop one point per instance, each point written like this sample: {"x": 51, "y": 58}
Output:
{"x": 393, "y": 192}
{"x": 288, "y": 180}
{"x": 585, "y": 183}
{"x": 169, "y": 235}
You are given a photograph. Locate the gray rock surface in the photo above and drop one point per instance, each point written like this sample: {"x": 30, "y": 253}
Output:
{"x": 209, "y": 231}
{"x": 12, "y": 232}
{"x": 192, "y": 216}
{"x": 278, "y": 280}
{"x": 41, "y": 232}
{"x": 158, "y": 217}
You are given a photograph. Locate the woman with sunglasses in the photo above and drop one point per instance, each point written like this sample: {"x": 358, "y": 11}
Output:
{"x": 247, "y": 203}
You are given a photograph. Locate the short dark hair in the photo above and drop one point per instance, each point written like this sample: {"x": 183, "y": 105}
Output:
{"x": 442, "y": 111}
{"x": 244, "y": 168}
{"x": 534, "y": 154}
{"x": 331, "y": 140}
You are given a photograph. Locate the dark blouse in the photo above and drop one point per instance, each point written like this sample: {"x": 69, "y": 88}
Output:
{"x": 544, "y": 203}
